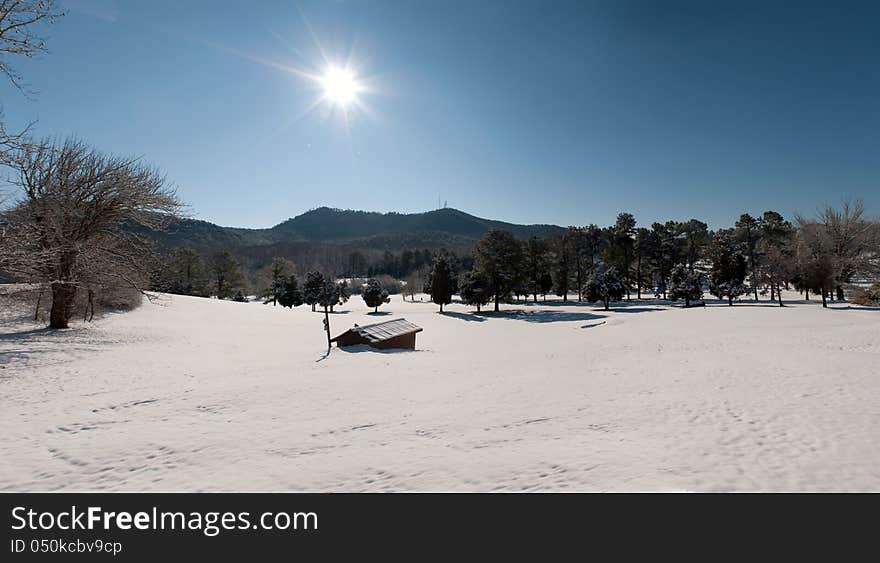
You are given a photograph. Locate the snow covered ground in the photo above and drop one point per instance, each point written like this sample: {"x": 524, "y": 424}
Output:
{"x": 200, "y": 395}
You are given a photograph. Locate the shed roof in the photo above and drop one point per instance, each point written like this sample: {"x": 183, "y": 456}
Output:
{"x": 385, "y": 330}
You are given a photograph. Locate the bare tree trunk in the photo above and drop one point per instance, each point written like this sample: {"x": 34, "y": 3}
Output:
{"x": 39, "y": 302}
{"x": 779, "y": 294}
{"x": 639, "y": 277}
{"x": 327, "y": 328}
{"x": 63, "y": 295}
{"x": 730, "y": 300}
{"x": 824, "y": 301}
{"x": 91, "y": 304}
{"x": 840, "y": 296}
{"x": 496, "y": 302}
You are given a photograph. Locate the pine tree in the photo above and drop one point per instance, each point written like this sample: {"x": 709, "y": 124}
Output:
{"x": 561, "y": 274}
{"x": 545, "y": 284}
{"x": 441, "y": 281}
{"x": 605, "y": 285}
{"x": 620, "y": 247}
{"x": 729, "y": 268}
{"x": 328, "y": 296}
{"x": 664, "y": 255}
{"x": 278, "y": 271}
{"x": 595, "y": 243}
{"x": 694, "y": 236}
{"x": 313, "y": 288}
{"x": 374, "y": 295}
{"x": 685, "y": 283}
{"x": 343, "y": 294}
{"x": 777, "y": 266}
{"x": 226, "y": 274}
{"x": 577, "y": 255}
{"x": 184, "y": 273}
{"x": 536, "y": 264}
{"x": 288, "y": 293}
{"x": 475, "y": 289}
{"x": 642, "y": 251}
{"x": 498, "y": 256}
{"x": 749, "y": 234}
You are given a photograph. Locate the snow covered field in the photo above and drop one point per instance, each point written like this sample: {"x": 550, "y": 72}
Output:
{"x": 201, "y": 395}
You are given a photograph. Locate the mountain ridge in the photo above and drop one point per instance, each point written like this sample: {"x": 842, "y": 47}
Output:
{"x": 391, "y": 231}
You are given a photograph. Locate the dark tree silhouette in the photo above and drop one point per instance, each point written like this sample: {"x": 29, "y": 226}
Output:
{"x": 498, "y": 256}
{"x": 374, "y": 294}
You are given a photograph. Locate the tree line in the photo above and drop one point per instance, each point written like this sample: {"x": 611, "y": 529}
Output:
{"x": 822, "y": 256}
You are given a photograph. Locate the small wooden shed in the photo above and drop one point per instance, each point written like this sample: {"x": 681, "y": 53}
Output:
{"x": 397, "y": 333}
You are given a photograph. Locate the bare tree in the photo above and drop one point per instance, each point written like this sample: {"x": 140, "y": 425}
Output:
{"x": 851, "y": 241}
{"x": 69, "y": 229}
{"x": 20, "y": 23}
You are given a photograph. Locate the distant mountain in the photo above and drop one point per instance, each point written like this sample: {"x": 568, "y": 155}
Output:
{"x": 449, "y": 228}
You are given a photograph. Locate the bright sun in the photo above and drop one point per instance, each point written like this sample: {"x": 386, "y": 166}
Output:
{"x": 340, "y": 86}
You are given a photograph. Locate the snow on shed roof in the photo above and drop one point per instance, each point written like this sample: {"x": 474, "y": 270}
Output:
{"x": 384, "y": 331}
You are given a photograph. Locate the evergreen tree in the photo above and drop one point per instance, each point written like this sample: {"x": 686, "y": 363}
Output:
{"x": 278, "y": 271}
{"x": 475, "y": 289}
{"x": 577, "y": 254}
{"x": 328, "y": 296}
{"x": 545, "y": 284}
{"x": 605, "y": 285}
{"x": 749, "y": 234}
{"x": 374, "y": 295}
{"x": 562, "y": 274}
{"x": 184, "y": 273}
{"x": 442, "y": 281}
{"x": 498, "y": 256}
{"x": 313, "y": 288}
{"x": 595, "y": 242}
{"x": 288, "y": 293}
{"x": 776, "y": 250}
{"x": 685, "y": 283}
{"x": 342, "y": 292}
{"x": 694, "y": 236}
{"x": 536, "y": 264}
{"x": 664, "y": 255}
{"x": 620, "y": 246}
{"x": 729, "y": 268}
{"x": 642, "y": 251}
{"x": 226, "y": 274}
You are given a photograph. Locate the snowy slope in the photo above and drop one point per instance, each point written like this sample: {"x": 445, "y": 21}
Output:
{"x": 192, "y": 394}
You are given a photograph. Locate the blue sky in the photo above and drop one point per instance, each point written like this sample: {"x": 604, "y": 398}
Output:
{"x": 552, "y": 112}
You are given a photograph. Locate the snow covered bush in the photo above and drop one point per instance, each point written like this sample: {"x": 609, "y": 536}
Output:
{"x": 374, "y": 295}
{"x": 686, "y": 284}
{"x": 475, "y": 290}
{"x": 605, "y": 285}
